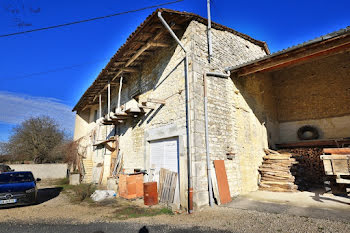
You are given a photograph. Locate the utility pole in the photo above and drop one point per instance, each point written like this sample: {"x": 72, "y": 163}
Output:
{"x": 210, "y": 49}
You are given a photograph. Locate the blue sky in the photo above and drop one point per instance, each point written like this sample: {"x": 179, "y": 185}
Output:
{"x": 280, "y": 23}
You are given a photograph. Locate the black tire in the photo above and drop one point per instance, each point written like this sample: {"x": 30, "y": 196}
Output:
{"x": 308, "y": 128}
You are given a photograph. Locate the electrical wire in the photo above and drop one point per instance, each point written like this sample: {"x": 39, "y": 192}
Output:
{"x": 91, "y": 19}
{"x": 53, "y": 70}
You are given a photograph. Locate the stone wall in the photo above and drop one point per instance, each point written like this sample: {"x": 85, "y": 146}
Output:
{"x": 314, "y": 93}
{"x": 161, "y": 77}
{"x": 44, "y": 171}
{"x": 230, "y": 128}
{"x": 314, "y": 90}
{"x": 331, "y": 127}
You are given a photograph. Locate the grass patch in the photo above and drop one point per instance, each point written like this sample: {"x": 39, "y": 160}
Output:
{"x": 77, "y": 193}
{"x": 63, "y": 181}
{"x": 131, "y": 211}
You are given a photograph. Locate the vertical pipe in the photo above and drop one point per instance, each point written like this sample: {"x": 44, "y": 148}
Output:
{"x": 100, "y": 106}
{"x": 109, "y": 99}
{"x": 207, "y": 140}
{"x": 120, "y": 90}
{"x": 189, "y": 138}
{"x": 188, "y": 116}
{"x": 210, "y": 49}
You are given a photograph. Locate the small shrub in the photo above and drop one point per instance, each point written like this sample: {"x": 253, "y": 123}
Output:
{"x": 83, "y": 191}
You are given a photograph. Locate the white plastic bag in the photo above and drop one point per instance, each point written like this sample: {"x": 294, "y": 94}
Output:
{"x": 100, "y": 195}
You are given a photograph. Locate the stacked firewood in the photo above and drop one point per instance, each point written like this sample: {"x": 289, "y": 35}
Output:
{"x": 309, "y": 172}
{"x": 276, "y": 173}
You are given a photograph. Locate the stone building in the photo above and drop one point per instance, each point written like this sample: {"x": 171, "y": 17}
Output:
{"x": 141, "y": 98}
{"x": 153, "y": 66}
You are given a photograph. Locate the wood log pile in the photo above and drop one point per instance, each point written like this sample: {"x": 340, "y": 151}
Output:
{"x": 276, "y": 173}
{"x": 309, "y": 172}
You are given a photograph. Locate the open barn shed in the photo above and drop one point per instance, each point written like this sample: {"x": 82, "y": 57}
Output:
{"x": 301, "y": 95}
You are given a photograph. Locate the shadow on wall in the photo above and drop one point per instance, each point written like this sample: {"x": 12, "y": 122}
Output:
{"x": 257, "y": 93}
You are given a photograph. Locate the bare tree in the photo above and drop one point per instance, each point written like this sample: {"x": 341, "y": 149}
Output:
{"x": 36, "y": 139}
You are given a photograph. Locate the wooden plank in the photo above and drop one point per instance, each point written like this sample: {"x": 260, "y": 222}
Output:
{"x": 173, "y": 187}
{"x": 343, "y": 181}
{"x": 338, "y": 151}
{"x": 314, "y": 143}
{"x": 215, "y": 185}
{"x": 335, "y": 157}
{"x": 161, "y": 180}
{"x": 159, "y": 44}
{"x": 224, "y": 191}
{"x": 156, "y": 101}
{"x": 133, "y": 110}
{"x": 145, "y": 107}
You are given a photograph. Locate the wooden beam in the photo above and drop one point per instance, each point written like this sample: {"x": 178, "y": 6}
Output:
{"x": 118, "y": 63}
{"x": 324, "y": 48}
{"x": 339, "y": 151}
{"x": 156, "y": 101}
{"x": 159, "y": 44}
{"x": 161, "y": 26}
{"x": 315, "y": 143}
{"x": 138, "y": 53}
{"x": 128, "y": 70}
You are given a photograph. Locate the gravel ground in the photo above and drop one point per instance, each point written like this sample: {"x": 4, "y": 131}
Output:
{"x": 60, "y": 212}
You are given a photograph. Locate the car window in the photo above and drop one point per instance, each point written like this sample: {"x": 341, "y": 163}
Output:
{"x": 8, "y": 178}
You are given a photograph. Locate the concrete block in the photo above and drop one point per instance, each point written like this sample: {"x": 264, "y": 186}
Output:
{"x": 74, "y": 179}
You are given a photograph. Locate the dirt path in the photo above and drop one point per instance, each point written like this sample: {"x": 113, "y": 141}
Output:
{"x": 58, "y": 209}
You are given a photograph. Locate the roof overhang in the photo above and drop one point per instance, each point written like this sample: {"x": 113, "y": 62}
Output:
{"x": 323, "y": 46}
{"x": 148, "y": 37}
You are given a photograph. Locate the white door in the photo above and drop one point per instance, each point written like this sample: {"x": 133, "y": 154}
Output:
{"x": 164, "y": 153}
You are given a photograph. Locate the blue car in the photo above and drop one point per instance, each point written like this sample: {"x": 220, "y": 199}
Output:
{"x": 17, "y": 188}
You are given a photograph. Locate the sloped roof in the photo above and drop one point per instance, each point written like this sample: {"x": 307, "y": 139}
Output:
{"x": 332, "y": 42}
{"x": 143, "y": 34}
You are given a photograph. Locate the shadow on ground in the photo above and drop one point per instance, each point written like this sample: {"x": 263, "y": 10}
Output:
{"x": 47, "y": 194}
{"x": 44, "y": 195}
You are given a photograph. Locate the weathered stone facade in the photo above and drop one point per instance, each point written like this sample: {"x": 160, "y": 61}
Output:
{"x": 225, "y": 116}
{"x": 232, "y": 125}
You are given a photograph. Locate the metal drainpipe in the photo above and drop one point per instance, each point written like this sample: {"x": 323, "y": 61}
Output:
{"x": 188, "y": 116}
{"x": 210, "y": 188}
{"x": 221, "y": 75}
{"x": 210, "y": 49}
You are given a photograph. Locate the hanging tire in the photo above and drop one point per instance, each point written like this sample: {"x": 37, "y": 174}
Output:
{"x": 308, "y": 132}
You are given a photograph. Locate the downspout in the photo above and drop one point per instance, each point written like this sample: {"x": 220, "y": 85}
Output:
{"x": 188, "y": 116}
{"x": 210, "y": 185}
{"x": 210, "y": 50}
{"x": 207, "y": 141}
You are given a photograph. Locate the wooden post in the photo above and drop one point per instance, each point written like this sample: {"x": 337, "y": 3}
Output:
{"x": 109, "y": 99}
{"x": 120, "y": 90}
{"x": 100, "y": 106}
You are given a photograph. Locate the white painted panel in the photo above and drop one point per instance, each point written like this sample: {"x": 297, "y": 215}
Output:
{"x": 170, "y": 155}
{"x": 164, "y": 154}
